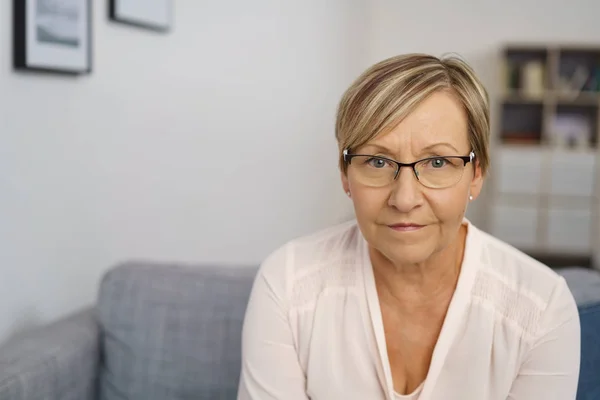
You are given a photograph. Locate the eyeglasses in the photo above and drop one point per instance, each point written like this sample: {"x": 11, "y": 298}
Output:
{"x": 432, "y": 172}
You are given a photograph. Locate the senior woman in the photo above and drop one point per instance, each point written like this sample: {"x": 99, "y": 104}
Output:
{"x": 409, "y": 300}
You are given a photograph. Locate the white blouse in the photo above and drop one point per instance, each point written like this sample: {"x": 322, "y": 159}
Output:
{"x": 412, "y": 396}
{"x": 313, "y": 327}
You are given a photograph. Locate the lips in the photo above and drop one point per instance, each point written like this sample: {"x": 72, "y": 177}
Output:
{"x": 406, "y": 227}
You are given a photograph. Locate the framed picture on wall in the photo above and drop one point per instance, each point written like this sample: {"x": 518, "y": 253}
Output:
{"x": 52, "y": 35}
{"x": 151, "y": 14}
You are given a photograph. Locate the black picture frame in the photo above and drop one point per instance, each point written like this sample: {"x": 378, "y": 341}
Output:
{"x": 136, "y": 13}
{"x": 47, "y": 37}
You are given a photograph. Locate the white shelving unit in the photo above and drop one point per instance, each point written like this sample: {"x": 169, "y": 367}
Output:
{"x": 545, "y": 180}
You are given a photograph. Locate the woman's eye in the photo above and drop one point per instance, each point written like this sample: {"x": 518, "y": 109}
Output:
{"x": 437, "y": 162}
{"x": 376, "y": 162}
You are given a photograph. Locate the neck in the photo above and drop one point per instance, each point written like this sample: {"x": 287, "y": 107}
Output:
{"x": 424, "y": 282}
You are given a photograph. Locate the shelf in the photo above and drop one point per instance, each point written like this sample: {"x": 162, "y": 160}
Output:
{"x": 591, "y": 99}
{"x": 545, "y": 182}
{"x": 545, "y": 147}
{"x": 516, "y": 97}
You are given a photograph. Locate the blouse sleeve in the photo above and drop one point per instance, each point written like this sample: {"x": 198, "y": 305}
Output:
{"x": 270, "y": 367}
{"x": 550, "y": 370}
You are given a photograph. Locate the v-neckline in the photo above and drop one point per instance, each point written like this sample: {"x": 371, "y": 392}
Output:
{"x": 456, "y": 309}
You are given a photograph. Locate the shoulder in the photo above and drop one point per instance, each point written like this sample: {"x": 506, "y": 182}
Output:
{"x": 525, "y": 291}
{"x": 303, "y": 266}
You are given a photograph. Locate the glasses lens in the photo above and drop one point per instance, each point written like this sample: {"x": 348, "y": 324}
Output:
{"x": 372, "y": 171}
{"x": 440, "y": 172}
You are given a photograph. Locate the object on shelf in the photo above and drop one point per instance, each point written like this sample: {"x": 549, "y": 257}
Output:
{"x": 525, "y": 71}
{"x": 596, "y": 80}
{"x": 513, "y": 77}
{"x": 579, "y": 72}
{"x": 527, "y": 78}
{"x": 592, "y": 81}
{"x": 574, "y": 84}
{"x": 533, "y": 79}
{"x": 571, "y": 131}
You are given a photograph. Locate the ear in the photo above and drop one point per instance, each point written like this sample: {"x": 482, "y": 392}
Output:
{"x": 345, "y": 183}
{"x": 477, "y": 182}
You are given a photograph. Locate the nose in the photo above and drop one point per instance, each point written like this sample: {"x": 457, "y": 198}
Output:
{"x": 406, "y": 191}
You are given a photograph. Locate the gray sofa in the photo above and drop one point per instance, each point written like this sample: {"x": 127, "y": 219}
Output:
{"x": 172, "y": 332}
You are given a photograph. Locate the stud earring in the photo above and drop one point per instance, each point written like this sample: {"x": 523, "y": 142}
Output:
{"x": 348, "y": 193}
{"x": 471, "y": 198}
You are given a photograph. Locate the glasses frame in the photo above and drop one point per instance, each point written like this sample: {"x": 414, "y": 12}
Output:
{"x": 466, "y": 159}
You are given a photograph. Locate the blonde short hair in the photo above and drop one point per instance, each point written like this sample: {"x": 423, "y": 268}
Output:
{"x": 388, "y": 91}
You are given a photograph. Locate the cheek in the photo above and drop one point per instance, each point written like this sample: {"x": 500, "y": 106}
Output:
{"x": 448, "y": 205}
{"x": 368, "y": 203}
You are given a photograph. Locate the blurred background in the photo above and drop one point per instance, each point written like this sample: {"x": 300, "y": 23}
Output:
{"x": 213, "y": 141}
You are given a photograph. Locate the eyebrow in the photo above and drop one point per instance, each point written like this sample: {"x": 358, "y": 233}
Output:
{"x": 443, "y": 144}
{"x": 426, "y": 148}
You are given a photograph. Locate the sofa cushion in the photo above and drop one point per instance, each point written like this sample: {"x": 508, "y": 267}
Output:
{"x": 172, "y": 331}
{"x": 584, "y": 283}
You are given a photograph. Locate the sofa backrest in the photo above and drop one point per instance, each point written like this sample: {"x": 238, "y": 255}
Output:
{"x": 172, "y": 331}
{"x": 584, "y": 284}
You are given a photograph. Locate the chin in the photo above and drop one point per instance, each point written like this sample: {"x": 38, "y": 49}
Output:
{"x": 402, "y": 253}
{"x": 416, "y": 256}
{"x": 402, "y": 247}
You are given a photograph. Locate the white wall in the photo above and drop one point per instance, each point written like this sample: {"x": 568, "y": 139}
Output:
{"x": 213, "y": 144}
{"x": 476, "y": 30}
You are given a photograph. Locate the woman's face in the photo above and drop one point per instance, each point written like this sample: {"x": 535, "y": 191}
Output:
{"x": 404, "y": 220}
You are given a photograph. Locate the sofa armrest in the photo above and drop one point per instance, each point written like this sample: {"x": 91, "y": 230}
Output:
{"x": 589, "y": 376}
{"x": 54, "y": 362}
